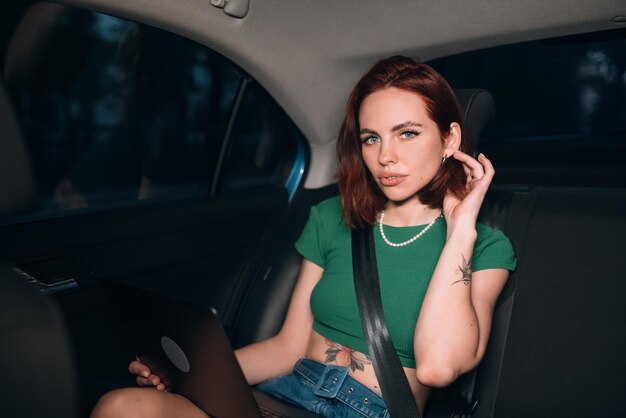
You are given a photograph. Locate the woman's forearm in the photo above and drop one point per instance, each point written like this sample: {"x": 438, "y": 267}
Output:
{"x": 447, "y": 333}
{"x": 268, "y": 358}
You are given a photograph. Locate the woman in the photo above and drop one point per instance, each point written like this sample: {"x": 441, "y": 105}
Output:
{"x": 403, "y": 167}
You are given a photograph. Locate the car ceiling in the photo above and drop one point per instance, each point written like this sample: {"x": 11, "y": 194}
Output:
{"x": 308, "y": 54}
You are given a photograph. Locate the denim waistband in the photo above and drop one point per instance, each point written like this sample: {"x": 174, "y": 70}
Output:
{"x": 334, "y": 382}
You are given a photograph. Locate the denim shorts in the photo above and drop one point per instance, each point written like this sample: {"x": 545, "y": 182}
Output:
{"x": 326, "y": 390}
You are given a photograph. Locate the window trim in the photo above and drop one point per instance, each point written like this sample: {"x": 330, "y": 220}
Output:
{"x": 300, "y": 163}
{"x": 226, "y": 141}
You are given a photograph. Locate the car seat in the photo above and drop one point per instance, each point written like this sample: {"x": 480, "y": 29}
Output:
{"x": 38, "y": 374}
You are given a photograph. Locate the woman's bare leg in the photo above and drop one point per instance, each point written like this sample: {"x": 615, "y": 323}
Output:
{"x": 145, "y": 402}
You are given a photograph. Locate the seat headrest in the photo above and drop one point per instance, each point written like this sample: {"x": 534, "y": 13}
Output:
{"x": 17, "y": 182}
{"x": 478, "y": 109}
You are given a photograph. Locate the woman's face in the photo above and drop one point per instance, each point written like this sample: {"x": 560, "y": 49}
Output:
{"x": 401, "y": 145}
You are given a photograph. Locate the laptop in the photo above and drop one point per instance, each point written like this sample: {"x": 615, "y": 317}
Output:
{"x": 185, "y": 345}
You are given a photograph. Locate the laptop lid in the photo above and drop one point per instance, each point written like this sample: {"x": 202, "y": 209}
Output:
{"x": 185, "y": 345}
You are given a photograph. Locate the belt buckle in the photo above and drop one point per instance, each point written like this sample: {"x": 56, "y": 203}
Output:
{"x": 331, "y": 380}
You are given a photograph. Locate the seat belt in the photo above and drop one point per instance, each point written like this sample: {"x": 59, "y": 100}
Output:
{"x": 391, "y": 377}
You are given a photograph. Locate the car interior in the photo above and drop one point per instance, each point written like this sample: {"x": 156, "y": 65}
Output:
{"x": 178, "y": 146}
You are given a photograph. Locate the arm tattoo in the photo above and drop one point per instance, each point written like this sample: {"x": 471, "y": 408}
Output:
{"x": 466, "y": 271}
{"x": 345, "y": 356}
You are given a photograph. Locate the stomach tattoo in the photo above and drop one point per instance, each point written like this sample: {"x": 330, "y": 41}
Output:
{"x": 345, "y": 356}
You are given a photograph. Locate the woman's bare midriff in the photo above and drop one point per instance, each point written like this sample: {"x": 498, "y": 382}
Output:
{"x": 359, "y": 366}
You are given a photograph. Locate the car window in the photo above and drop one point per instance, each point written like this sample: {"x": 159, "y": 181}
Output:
{"x": 115, "y": 112}
{"x": 262, "y": 151}
{"x": 557, "y": 88}
{"x": 560, "y": 108}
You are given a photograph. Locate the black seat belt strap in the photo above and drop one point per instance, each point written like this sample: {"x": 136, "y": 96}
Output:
{"x": 391, "y": 377}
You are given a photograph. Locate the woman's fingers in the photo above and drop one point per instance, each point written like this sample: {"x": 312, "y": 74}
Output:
{"x": 488, "y": 172}
{"x": 471, "y": 166}
{"x": 475, "y": 168}
{"x": 144, "y": 376}
{"x": 151, "y": 380}
{"x": 487, "y": 166}
{"x": 479, "y": 174}
{"x": 148, "y": 382}
{"x": 138, "y": 368}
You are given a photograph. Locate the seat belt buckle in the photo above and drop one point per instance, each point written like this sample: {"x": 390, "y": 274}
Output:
{"x": 464, "y": 408}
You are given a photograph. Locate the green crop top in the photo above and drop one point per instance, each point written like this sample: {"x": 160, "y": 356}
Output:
{"x": 404, "y": 274}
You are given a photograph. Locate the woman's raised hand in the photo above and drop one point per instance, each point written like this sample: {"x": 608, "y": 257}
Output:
{"x": 144, "y": 376}
{"x": 479, "y": 172}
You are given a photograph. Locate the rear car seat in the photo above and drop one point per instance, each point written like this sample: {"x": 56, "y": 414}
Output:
{"x": 562, "y": 351}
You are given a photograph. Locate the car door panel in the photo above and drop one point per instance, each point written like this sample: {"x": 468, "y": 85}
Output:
{"x": 201, "y": 250}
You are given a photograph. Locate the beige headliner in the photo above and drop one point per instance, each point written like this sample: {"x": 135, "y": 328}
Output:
{"x": 308, "y": 54}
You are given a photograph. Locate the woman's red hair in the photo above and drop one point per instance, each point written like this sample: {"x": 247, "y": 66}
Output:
{"x": 361, "y": 197}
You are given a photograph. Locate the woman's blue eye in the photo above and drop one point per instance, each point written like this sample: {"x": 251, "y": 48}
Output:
{"x": 409, "y": 134}
{"x": 370, "y": 139}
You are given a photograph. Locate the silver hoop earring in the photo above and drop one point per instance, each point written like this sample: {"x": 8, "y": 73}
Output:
{"x": 443, "y": 160}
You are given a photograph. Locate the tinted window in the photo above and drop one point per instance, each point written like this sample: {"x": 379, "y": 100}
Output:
{"x": 562, "y": 88}
{"x": 114, "y": 111}
{"x": 262, "y": 150}
{"x": 560, "y": 108}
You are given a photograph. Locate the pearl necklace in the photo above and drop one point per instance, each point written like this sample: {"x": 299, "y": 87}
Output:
{"x": 407, "y": 242}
